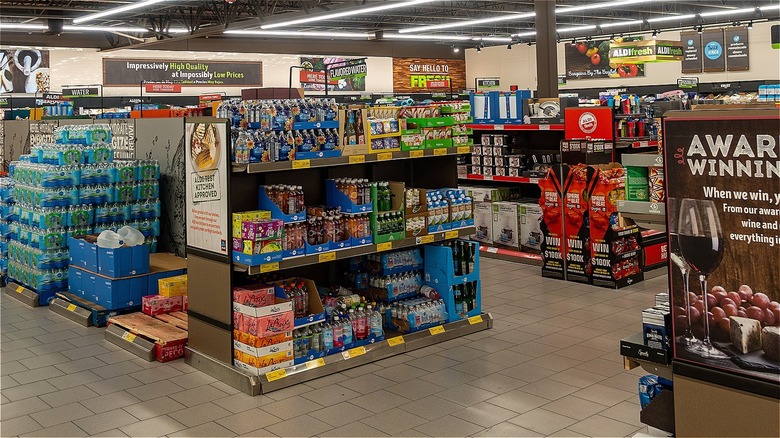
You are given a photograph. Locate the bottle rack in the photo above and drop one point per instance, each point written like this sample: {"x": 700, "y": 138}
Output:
{"x": 212, "y": 276}
{"x": 440, "y": 275}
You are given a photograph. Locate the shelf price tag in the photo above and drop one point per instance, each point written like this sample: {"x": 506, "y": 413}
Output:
{"x": 353, "y": 352}
{"x": 544, "y": 127}
{"x": 269, "y": 267}
{"x": 398, "y": 340}
{"x": 316, "y": 363}
{"x": 357, "y": 159}
{"x": 488, "y": 178}
{"x": 425, "y": 239}
{"x": 387, "y": 246}
{"x": 71, "y": 307}
{"x": 327, "y": 256}
{"x": 19, "y": 289}
{"x": 129, "y": 337}
{"x": 275, "y": 375}
{"x": 451, "y": 234}
{"x": 440, "y": 151}
{"x": 301, "y": 164}
{"x": 384, "y": 156}
{"x": 475, "y": 319}
{"x": 439, "y": 329}
{"x": 416, "y": 154}
{"x": 464, "y": 149}
{"x": 498, "y": 127}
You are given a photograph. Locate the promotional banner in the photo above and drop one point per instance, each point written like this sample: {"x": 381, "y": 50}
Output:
{"x": 312, "y": 78}
{"x": 130, "y": 72}
{"x": 588, "y": 123}
{"x": 590, "y": 60}
{"x": 737, "y": 51}
{"x": 691, "y": 62}
{"x": 24, "y": 71}
{"x": 639, "y": 52}
{"x": 207, "y": 164}
{"x": 412, "y": 75}
{"x": 714, "y": 57}
{"x": 723, "y": 204}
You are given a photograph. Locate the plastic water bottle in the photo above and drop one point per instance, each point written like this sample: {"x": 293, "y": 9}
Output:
{"x": 338, "y": 333}
{"x": 327, "y": 337}
{"x": 376, "y": 323}
{"x": 362, "y": 323}
{"x": 346, "y": 328}
{"x": 297, "y": 344}
{"x": 109, "y": 239}
{"x": 316, "y": 338}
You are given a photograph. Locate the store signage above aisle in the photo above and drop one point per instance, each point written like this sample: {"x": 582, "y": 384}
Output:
{"x": 737, "y": 50}
{"x": 131, "y": 72}
{"x": 343, "y": 74}
{"x": 488, "y": 84}
{"x": 412, "y": 75}
{"x": 691, "y": 62}
{"x": 162, "y": 87}
{"x": 775, "y": 36}
{"x": 207, "y": 160}
{"x": 640, "y": 52}
{"x": 588, "y": 123}
{"x": 714, "y": 57}
{"x": 591, "y": 60}
{"x": 689, "y": 84}
{"x": 76, "y": 92}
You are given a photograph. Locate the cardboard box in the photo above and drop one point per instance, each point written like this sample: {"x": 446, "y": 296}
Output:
{"x": 157, "y": 304}
{"x": 530, "y": 226}
{"x": 316, "y": 309}
{"x": 239, "y": 218}
{"x": 255, "y": 295}
{"x": 483, "y": 221}
{"x": 175, "y": 286}
{"x": 75, "y": 281}
{"x": 163, "y": 265}
{"x": 124, "y": 261}
{"x": 261, "y": 371}
{"x": 268, "y": 350}
{"x": 254, "y": 341}
{"x": 83, "y": 253}
{"x": 506, "y": 224}
{"x": 637, "y": 188}
{"x": 118, "y": 293}
{"x": 263, "y": 361}
{"x": 264, "y": 321}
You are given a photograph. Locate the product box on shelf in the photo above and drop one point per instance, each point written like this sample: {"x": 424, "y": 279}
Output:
{"x": 265, "y": 203}
{"x": 158, "y": 304}
{"x": 316, "y": 311}
{"x": 417, "y": 224}
{"x": 461, "y": 293}
{"x": 261, "y": 371}
{"x": 637, "y": 184}
{"x": 245, "y": 216}
{"x": 656, "y": 250}
{"x": 258, "y": 342}
{"x": 260, "y": 357}
{"x": 264, "y": 321}
{"x": 173, "y": 286}
{"x": 506, "y": 224}
{"x": 657, "y": 327}
{"x": 111, "y": 293}
{"x": 111, "y": 262}
{"x": 83, "y": 252}
{"x": 336, "y": 198}
{"x": 530, "y": 226}
{"x": 484, "y": 107}
{"x": 579, "y": 186}
{"x": 513, "y": 107}
{"x": 553, "y": 248}
{"x": 254, "y": 295}
{"x": 483, "y": 221}
{"x": 164, "y": 265}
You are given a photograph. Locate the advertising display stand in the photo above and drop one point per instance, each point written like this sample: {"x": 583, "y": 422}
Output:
{"x": 723, "y": 196}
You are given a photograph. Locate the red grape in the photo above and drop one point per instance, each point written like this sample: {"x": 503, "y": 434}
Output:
{"x": 679, "y": 311}
{"x": 755, "y": 312}
{"x": 769, "y": 317}
{"x": 719, "y": 313}
{"x": 720, "y": 295}
{"x": 681, "y": 322}
{"x": 711, "y": 319}
{"x": 733, "y": 296}
{"x": 716, "y": 289}
{"x": 745, "y": 292}
{"x": 727, "y": 301}
{"x": 711, "y": 301}
{"x": 776, "y": 312}
{"x": 730, "y": 309}
{"x": 724, "y": 325}
{"x": 760, "y": 300}
{"x": 741, "y": 313}
{"x": 692, "y": 297}
{"x": 695, "y": 314}
{"x": 699, "y": 305}
{"x": 774, "y": 305}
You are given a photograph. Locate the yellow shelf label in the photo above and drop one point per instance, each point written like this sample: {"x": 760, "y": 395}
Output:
{"x": 357, "y": 159}
{"x": 464, "y": 149}
{"x": 269, "y": 267}
{"x": 327, "y": 256}
{"x": 440, "y": 151}
{"x": 439, "y": 329}
{"x": 475, "y": 319}
{"x": 301, "y": 164}
{"x": 451, "y": 234}
{"x": 416, "y": 154}
{"x": 71, "y": 307}
{"x": 354, "y": 352}
{"x": 398, "y": 340}
{"x": 426, "y": 239}
{"x": 316, "y": 363}
{"x": 384, "y": 156}
{"x": 275, "y": 375}
{"x": 19, "y": 289}
{"x": 384, "y": 246}
{"x": 129, "y": 337}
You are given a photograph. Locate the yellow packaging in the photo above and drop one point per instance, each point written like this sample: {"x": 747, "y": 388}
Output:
{"x": 173, "y": 286}
{"x": 239, "y": 218}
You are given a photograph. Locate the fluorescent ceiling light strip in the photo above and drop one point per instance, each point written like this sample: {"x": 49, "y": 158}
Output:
{"x": 770, "y": 7}
{"x": 727, "y": 12}
{"x": 114, "y": 11}
{"x": 620, "y": 23}
{"x": 602, "y": 5}
{"x": 347, "y": 13}
{"x": 22, "y": 26}
{"x": 105, "y": 29}
{"x": 671, "y": 18}
{"x": 467, "y": 23}
{"x": 576, "y": 29}
{"x": 427, "y": 37}
{"x": 298, "y": 34}
{"x": 525, "y": 34}
{"x": 493, "y": 39}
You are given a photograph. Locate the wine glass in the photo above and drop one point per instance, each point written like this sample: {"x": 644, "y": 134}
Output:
{"x": 701, "y": 243}
{"x": 675, "y": 254}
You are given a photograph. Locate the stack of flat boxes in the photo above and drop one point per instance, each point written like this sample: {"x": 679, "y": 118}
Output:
{"x": 494, "y": 157}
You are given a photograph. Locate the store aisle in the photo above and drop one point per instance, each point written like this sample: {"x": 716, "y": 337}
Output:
{"x": 550, "y": 366}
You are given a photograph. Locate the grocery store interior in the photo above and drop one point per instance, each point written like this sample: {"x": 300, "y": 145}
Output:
{"x": 389, "y": 218}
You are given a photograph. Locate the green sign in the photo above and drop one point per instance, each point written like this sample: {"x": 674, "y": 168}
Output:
{"x": 688, "y": 83}
{"x": 488, "y": 84}
{"x": 3, "y": 101}
{"x": 349, "y": 69}
{"x": 640, "y": 52}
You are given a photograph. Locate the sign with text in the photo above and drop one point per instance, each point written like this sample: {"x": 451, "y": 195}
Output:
{"x": 162, "y": 87}
{"x": 590, "y": 60}
{"x": 312, "y": 77}
{"x": 714, "y": 56}
{"x": 640, "y": 52}
{"x": 690, "y": 84}
{"x": 691, "y": 62}
{"x": 24, "y": 71}
{"x": 488, "y": 84}
{"x": 131, "y": 72}
{"x": 412, "y": 75}
{"x": 723, "y": 197}
{"x": 737, "y": 50}
{"x": 588, "y": 123}
{"x": 75, "y": 92}
{"x": 207, "y": 164}
{"x": 775, "y": 36}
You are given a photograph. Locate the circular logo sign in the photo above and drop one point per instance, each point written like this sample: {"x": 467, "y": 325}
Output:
{"x": 690, "y": 42}
{"x": 736, "y": 38}
{"x": 588, "y": 122}
{"x": 713, "y": 50}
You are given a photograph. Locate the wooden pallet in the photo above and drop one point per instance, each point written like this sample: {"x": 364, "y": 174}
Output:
{"x": 177, "y": 319}
{"x": 168, "y": 339}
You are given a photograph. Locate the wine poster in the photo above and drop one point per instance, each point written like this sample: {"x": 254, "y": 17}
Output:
{"x": 723, "y": 205}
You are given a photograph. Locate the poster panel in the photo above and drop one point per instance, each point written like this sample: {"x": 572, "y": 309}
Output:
{"x": 24, "y": 71}
{"x": 714, "y": 54}
{"x": 723, "y": 191}
{"x": 590, "y": 60}
{"x": 737, "y": 49}
{"x": 207, "y": 163}
{"x": 415, "y": 75}
{"x": 131, "y": 72}
{"x": 691, "y": 62}
{"x": 312, "y": 78}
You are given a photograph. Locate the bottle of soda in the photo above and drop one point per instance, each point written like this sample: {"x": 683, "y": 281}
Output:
{"x": 338, "y": 333}
{"x": 327, "y": 337}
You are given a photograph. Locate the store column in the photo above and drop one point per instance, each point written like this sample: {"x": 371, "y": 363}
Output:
{"x": 546, "y": 49}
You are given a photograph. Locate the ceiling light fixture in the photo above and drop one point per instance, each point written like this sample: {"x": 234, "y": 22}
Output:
{"x": 117, "y": 10}
{"x": 21, "y": 26}
{"x": 468, "y": 23}
{"x": 348, "y": 12}
{"x": 718, "y": 12}
{"x": 455, "y": 49}
{"x": 299, "y": 34}
{"x": 493, "y": 39}
{"x": 601, "y": 5}
{"x": 427, "y": 37}
{"x": 655, "y": 34}
{"x": 750, "y": 24}
{"x": 576, "y": 28}
{"x": 509, "y": 46}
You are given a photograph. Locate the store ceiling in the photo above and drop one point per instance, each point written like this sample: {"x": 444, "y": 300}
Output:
{"x": 456, "y": 23}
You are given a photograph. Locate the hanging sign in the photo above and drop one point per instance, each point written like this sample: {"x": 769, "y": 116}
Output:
{"x": 691, "y": 62}
{"x": 74, "y": 92}
{"x": 640, "y": 52}
{"x": 347, "y": 69}
{"x": 714, "y": 57}
{"x": 775, "y": 36}
{"x": 162, "y": 87}
{"x": 412, "y": 75}
{"x": 691, "y": 84}
{"x": 737, "y": 50}
{"x": 488, "y": 84}
{"x": 130, "y": 72}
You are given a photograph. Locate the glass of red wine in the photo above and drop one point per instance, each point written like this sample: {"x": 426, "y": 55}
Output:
{"x": 700, "y": 237}
{"x": 673, "y": 206}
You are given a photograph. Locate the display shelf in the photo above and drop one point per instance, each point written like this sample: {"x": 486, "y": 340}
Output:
{"x": 516, "y": 127}
{"x": 635, "y": 115}
{"x": 281, "y": 166}
{"x": 394, "y": 344}
{"x": 635, "y": 144}
{"x": 643, "y": 160}
{"x": 510, "y": 255}
{"x": 511, "y": 179}
{"x": 386, "y": 135}
{"x": 346, "y": 253}
{"x": 642, "y": 207}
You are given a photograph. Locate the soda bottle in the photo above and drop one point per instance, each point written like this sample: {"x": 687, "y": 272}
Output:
{"x": 346, "y": 328}
{"x": 328, "y": 340}
{"x": 316, "y": 338}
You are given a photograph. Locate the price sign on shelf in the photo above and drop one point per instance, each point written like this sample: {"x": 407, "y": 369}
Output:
{"x": 417, "y": 153}
{"x": 357, "y": 159}
{"x": 440, "y": 151}
{"x": 275, "y": 375}
{"x": 316, "y": 363}
{"x": 384, "y": 156}
{"x": 387, "y": 246}
{"x": 353, "y": 352}
{"x": 327, "y": 256}
{"x": 439, "y": 329}
{"x": 451, "y": 234}
{"x": 464, "y": 149}
{"x": 475, "y": 319}
{"x": 425, "y": 239}
{"x": 398, "y": 340}
{"x": 544, "y": 127}
{"x": 498, "y": 127}
{"x": 269, "y": 267}
{"x": 301, "y": 164}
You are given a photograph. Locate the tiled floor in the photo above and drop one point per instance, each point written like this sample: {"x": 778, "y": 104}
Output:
{"x": 550, "y": 366}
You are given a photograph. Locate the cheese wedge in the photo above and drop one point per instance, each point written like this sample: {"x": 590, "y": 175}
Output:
{"x": 771, "y": 342}
{"x": 745, "y": 334}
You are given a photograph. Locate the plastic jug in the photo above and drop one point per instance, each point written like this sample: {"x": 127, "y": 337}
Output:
{"x": 131, "y": 236}
{"x": 109, "y": 239}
